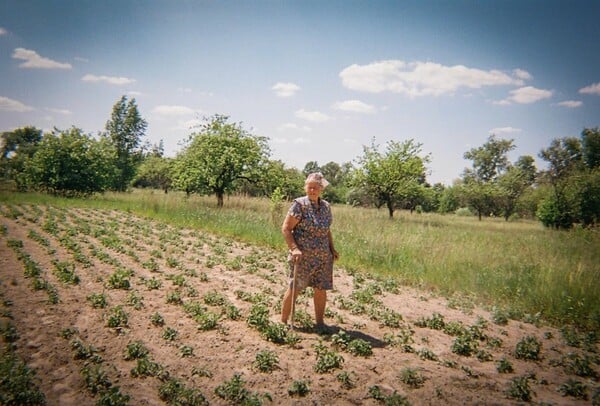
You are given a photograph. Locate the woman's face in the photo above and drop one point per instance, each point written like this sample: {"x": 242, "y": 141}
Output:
{"x": 313, "y": 190}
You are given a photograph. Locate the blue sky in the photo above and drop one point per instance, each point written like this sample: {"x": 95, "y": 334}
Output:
{"x": 320, "y": 79}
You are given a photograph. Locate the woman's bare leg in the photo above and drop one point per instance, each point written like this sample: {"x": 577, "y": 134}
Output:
{"x": 320, "y": 299}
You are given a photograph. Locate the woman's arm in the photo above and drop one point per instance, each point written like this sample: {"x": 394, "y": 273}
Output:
{"x": 336, "y": 255}
{"x": 286, "y": 229}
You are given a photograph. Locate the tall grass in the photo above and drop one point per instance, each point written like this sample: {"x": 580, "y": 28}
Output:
{"x": 519, "y": 265}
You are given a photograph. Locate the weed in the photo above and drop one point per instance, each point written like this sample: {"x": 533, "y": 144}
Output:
{"x": 234, "y": 392}
{"x": 528, "y": 348}
{"x": 153, "y": 283}
{"x": 117, "y": 317}
{"x": 574, "y": 389}
{"x": 17, "y": 386}
{"x": 157, "y": 319}
{"x": 504, "y": 366}
{"x": 95, "y": 378}
{"x": 412, "y": 377}
{"x": 519, "y": 389}
{"x": 579, "y": 365}
{"x": 464, "y": 345}
{"x": 207, "y": 320}
{"x": 347, "y": 379}
{"x": 113, "y": 397}
{"x": 436, "y": 322}
{"x": 266, "y": 361}
{"x": 97, "y": 300}
{"x": 394, "y": 399}
{"x": 327, "y": 360}
{"x": 146, "y": 367}
{"x": 427, "y": 354}
{"x": 169, "y": 334}
{"x": 174, "y": 297}
{"x": 215, "y": 298}
{"x": 299, "y": 388}
{"x": 135, "y": 350}
{"x": 65, "y": 272}
{"x": 186, "y": 351}
{"x": 174, "y": 392}
{"x": 119, "y": 280}
{"x": 134, "y": 299}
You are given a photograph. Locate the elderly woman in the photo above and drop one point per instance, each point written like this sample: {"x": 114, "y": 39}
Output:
{"x": 307, "y": 234}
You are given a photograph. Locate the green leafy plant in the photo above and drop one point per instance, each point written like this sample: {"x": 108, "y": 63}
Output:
{"x": 174, "y": 392}
{"x": 97, "y": 300}
{"x": 504, "y": 366}
{"x": 394, "y": 398}
{"x": 347, "y": 379}
{"x": 519, "y": 389}
{"x": 266, "y": 361}
{"x": 95, "y": 378}
{"x": 412, "y": 377}
{"x": 157, "y": 319}
{"x": 135, "y": 350}
{"x": 528, "y": 348}
{"x": 117, "y": 317}
{"x": 299, "y": 388}
{"x": 169, "y": 334}
{"x": 327, "y": 360}
{"x": 573, "y": 388}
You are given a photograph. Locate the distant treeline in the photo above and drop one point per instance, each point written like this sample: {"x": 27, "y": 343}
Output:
{"x": 221, "y": 158}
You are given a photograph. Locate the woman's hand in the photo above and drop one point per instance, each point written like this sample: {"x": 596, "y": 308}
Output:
{"x": 336, "y": 255}
{"x": 296, "y": 253}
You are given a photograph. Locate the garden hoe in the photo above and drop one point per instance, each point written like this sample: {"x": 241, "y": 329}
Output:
{"x": 294, "y": 292}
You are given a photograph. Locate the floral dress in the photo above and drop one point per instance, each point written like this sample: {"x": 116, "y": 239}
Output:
{"x": 315, "y": 266}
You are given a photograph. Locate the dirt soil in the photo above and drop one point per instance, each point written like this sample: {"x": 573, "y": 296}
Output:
{"x": 170, "y": 268}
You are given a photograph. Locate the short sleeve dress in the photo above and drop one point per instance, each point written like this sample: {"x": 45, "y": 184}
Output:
{"x": 315, "y": 266}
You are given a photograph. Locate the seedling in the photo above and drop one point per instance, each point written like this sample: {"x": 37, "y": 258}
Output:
{"x": 266, "y": 361}
{"x": 528, "y": 348}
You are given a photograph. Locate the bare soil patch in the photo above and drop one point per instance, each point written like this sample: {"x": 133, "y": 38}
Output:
{"x": 424, "y": 349}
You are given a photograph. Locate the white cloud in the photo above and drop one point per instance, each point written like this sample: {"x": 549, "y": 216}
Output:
{"x": 81, "y": 59}
{"x": 302, "y": 140}
{"x": 111, "y": 80}
{"x": 354, "y": 106}
{"x": 504, "y": 130}
{"x": 188, "y": 124}
{"x": 3, "y": 31}
{"x": 571, "y": 104}
{"x": 522, "y": 74}
{"x": 422, "y": 78}
{"x": 60, "y": 111}
{"x": 285, "y": 89}
{"x": 7, "y": 104}
{"x": 184, "y": 89}
{"x": 34, "y": 61}
{"x": 294, "y": 127}
{"x": 313, "y": 116}
{"x": 165, "y": 110}
{"x": 527, "y": 95}
{"x": 594, "y": 88}
{"x": 134, "y": 93}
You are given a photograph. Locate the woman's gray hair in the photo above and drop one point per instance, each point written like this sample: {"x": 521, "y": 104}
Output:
{"x": 318, "y": 178}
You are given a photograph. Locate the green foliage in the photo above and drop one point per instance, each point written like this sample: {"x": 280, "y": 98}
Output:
{"x": 266, "y": 361}
{"x": 394, "y": 399}
{"x": 95, "y": 378}
{"x": 327, "y": 360}
{"x": 528, "y": 348}
{"x": 170, "y": 334}
{"x": 18, "y": 384}
{"x": 146, "y": 367}
{"x": 504, "y": 366}
{"x": 392, "y": 177}
{"x": 175, "y": 393}
{"x": 117, "y": 318}
{"x": 519, "y": 389}
{"x": 157, "y": 320}
{"x": 154, "y": 172}
{"x": 135, "y": 350}
{"x": 70, "y": 163}
{"x": 574, "y": 389}
{"x": 97, "y": 300}
{"x": 65, "y": 272}
{"x": 464, "y": 345}
{"x": 412, "y": 377}
{"x": 218, "y": 157}
{"x": 234, "y": 391}
{"x": 299, "y": 388}
{"x": 124, "y": 133}
{"x": 119, "y": 280}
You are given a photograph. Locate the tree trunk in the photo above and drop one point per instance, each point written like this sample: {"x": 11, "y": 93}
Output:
{"x": 219, "y": 199}
{"x": 390, "y": 206}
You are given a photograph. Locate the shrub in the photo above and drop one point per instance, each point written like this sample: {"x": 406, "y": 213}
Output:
{"x": 504, "y": 366}
{"x": 519, "y": 389}
{"x": 574, "y": 389}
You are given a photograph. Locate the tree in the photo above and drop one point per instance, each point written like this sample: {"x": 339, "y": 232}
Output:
{"x": 490, "y": 161}
{"x": 218, "y": 157}
{"x": 590, "y": 142}
{"x": 514, "y": 182}
{"x": 16, "y": 147}
{"x": 71, "y": 163}
{"x": 125, "y": 130}
{"x": 391, "y": 176}
{"x": 154, "y": 172}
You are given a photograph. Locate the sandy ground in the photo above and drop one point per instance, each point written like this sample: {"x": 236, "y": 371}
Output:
{"x": 192, "y": 265}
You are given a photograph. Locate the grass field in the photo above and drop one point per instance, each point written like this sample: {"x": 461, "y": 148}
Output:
{"x": 520, "y": 268}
